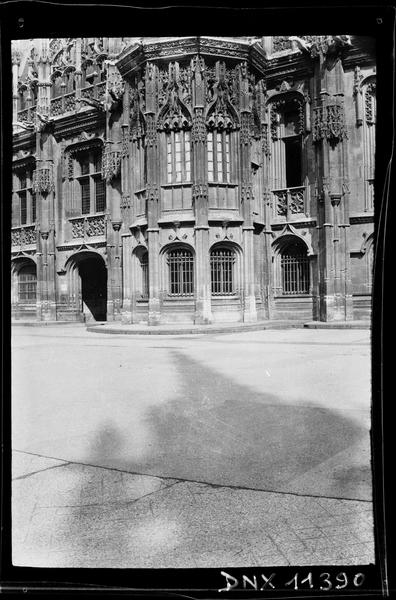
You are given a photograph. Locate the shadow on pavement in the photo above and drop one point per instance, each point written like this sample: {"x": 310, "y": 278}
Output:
{"x": 223, "y": 433}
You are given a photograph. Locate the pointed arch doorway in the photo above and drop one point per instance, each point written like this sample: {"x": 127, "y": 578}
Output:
{"x": 88, "y": 285}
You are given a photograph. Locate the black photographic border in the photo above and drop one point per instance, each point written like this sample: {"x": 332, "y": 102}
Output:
{"x": 55, "y": 19}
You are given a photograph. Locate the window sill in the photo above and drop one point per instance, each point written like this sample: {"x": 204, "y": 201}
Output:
{"x": 177, "y": 184}
{"x": 291, "y": 296}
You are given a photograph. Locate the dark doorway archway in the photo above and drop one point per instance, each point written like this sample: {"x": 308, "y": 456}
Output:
{"x": 93, "y": 274}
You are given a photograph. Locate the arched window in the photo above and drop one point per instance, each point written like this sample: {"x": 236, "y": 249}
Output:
{"x": 145, "y": 274}
{"x": 294, "y": 264}
{"x": 27, "y": 284}
{"x": 219, "y": 155}
{"x": 287, "y": 165}
{"x": 181, "y": 272}
{"x": 91, "y": 187}
{"x": 178, "y": 153}
{"x": 26, "y": 199}
{"x": 222, "y": 261}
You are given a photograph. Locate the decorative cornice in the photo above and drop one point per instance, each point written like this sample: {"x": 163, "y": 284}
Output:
{"x": 133, "y": 58}
{"x": 295, "y": 224}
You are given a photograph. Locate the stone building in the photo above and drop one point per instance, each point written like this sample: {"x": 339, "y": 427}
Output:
{"x": 194, "y": 179}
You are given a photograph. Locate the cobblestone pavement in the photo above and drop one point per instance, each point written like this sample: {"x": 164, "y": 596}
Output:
{"x": 225, "y": 450}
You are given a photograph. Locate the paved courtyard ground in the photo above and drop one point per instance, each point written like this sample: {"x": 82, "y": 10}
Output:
{"x": 191, "y": 451}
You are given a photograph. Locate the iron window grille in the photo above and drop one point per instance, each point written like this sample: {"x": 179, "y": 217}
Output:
{"x": 27, "y": 284}
{"x": 181, "y": 272}
{"x": 219, "y": 156}
{"x": 222, "y": 263}
{"x": 178, "y": 156}
{"x": 295, "y": 274}
{"x": 145, "y": 275}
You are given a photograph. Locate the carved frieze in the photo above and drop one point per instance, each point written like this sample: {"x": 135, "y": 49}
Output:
{"x": 95, "y": 226}
{"x": 281, "y": 43}
{"x": 296, "y": 200}
{"x": 88, "y": 226}
{"x": 78, "y": 228}
{"x": 21, "y": 236}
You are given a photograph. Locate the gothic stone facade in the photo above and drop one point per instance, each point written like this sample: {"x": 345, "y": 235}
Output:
{"x": 193, "y": 179}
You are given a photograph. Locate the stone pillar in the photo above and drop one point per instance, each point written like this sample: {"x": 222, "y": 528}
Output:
{"x": 246, "y": 197}
{"x": 44, "y": 188}
{"x": 203, "y": 311}
{"x": 78, "y": 74}
{"x": 152, "y": 196}
{"x": 330, "y": 137}
{"x": 16, "y": 61}
{"x": 266, "y": 268}
{"x": 111, "y": 172}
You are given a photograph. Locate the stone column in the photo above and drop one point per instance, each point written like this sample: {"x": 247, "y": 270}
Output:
{"x": 44, "y": 188}
{"x": 203, "y": 311}
{"x": 152, "y": 196}
{"x": 111, "y": 170}
{"x": 16, "y": 61}
{"x": 330, "y": 137}
{"x": 246, "y": 196}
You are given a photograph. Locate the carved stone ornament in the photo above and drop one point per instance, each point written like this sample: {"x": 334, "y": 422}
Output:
{"x": 125, "y": 202}
{"x": 369, "y": 102}
{"x": 43, "y": 180}
{"x": 111, "y": 164}
{"x": 22, "y": 236}
{"x": 151, "y": 131}
{"x": 199, "y": 190}
{"x": 198, "y": 131}
{"x": 329, "y": 123}
{"x": 278, "y": 105}
{"x": 246, "y": 192}
{"x": 174, "y": 114}
{"x": 152, "y": 192}
{"x": 246, "y": 129}
{"x": 221, "y": 114}
{"x": 136, "y": 120}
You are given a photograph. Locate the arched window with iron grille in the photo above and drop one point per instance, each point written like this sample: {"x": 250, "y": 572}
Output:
{"x": 145, "y": 274}
{"x": 294, "y": 263}
{"x": 222, "y": 265}
{"x": 181, "y": 272}
{"x": 27, "y": 284}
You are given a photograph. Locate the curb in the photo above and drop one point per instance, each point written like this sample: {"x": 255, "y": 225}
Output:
{"x": 45, "y": 323}
{"x": 338, "y": 325}
{"x": 197, "y": 330}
